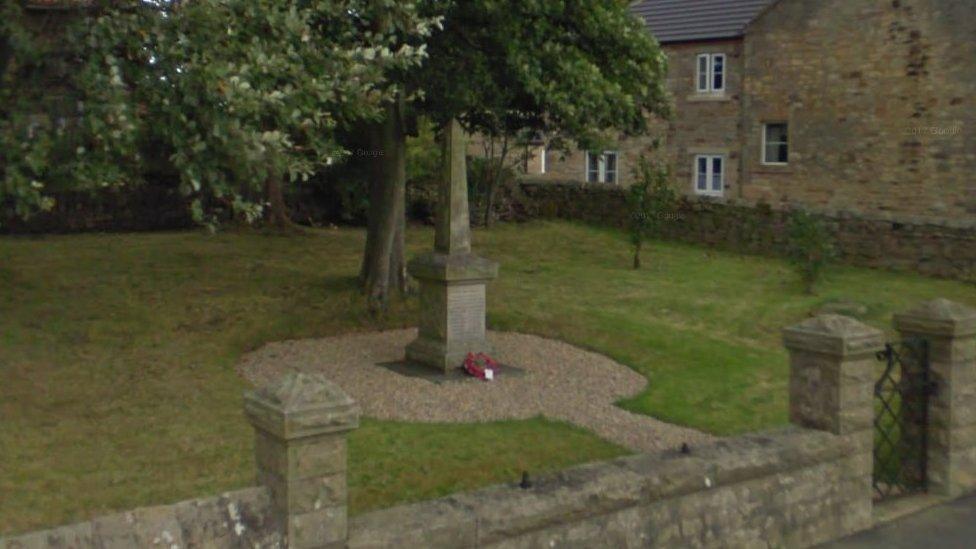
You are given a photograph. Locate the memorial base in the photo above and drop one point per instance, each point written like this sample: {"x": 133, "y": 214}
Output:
{"x": 452, "y": 308}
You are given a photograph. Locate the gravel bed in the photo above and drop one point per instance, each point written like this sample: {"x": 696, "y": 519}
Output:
{"x": 558, "y": 381}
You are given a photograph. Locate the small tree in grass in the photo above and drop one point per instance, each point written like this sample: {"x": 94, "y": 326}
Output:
{"x": 649, "y": 199}
{"x": 811, "y": 247}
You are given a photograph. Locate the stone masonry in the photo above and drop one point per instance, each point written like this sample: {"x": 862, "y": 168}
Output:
{"x": 879, "y": 98}
{"x": 832, "y": 361}
{"x": 944, "y": 250}
{"x": 300, "y": 427}
{"x": 452, "y": 278}
{"x": 950, "y": 330}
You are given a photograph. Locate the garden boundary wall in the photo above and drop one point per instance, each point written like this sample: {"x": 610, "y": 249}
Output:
{"x": 934, "y": 247}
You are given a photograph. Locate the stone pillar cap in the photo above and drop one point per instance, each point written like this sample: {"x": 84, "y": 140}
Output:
{"x": 301, "y": 405}
{"x": 835, "y": 335}
{"x": 939, "y": 317}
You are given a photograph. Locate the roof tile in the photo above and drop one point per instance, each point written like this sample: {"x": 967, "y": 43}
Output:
{"x": 691, "y": 20}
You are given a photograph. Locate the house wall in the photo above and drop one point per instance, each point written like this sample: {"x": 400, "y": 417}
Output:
{"x": 880, "y": 97}
{"x": 702, "y": 124}
{"x": 881, "y": 102}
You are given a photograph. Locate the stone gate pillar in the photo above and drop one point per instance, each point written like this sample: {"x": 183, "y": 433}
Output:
{"x": 950, "y": 330}
{"x": 832, "y": 365}
{"x": 300, "y": 426}
{"x": 452, "y": 279}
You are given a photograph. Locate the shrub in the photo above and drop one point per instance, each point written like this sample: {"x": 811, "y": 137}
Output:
{"x": 810, "y": 249}
{"x": 649, "y": 200}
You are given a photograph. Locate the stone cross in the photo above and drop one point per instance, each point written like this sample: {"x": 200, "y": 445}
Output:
{"x": 452, "y": 279}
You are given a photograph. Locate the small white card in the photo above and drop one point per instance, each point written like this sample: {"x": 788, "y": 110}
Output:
{"x": 489, "y": 374}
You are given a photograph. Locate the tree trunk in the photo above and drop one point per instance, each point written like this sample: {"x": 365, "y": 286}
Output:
{"x": 383, "y": 265}
{"x": 490, "y": 192}
{"x": 277, "y": 213}
{"x": 497, "y": 170}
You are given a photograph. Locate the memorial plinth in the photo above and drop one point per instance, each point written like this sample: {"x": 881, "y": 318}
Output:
{"x": 452, "y": 279}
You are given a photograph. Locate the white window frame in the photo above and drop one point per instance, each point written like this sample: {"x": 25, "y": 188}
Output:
{"x": 709, "y": 174}
{"x": 762, "y": 150}
{"x": 542, "y": 160}
{"x": 602, "y": 167}
{"x": 709, "y": 74}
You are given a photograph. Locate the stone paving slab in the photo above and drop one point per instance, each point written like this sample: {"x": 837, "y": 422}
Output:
{"x": 948, "y": 526}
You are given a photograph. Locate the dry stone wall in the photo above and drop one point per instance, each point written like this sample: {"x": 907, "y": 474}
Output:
{"x": 908, "y": 244}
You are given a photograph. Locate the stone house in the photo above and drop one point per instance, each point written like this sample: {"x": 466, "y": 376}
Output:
{"x": 862, "y": 107}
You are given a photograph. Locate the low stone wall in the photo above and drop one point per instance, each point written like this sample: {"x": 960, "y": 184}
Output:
{"x": 235, "y": 519}
{"x": 791, "y": 488}
{"x": 938, "y": 249}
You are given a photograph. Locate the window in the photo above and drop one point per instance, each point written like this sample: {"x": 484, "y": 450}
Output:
{"x": 710, "y": 73}
{"x": 601, "y": 167}
{"x": 775, "y": 148}
{"x": 709, "y": 174}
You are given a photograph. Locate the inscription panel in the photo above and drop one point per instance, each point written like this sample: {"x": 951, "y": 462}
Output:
{"x": 466, "y": 312}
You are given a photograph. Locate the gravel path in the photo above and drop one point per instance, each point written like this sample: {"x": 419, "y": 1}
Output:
{"x": 559, "y": 381}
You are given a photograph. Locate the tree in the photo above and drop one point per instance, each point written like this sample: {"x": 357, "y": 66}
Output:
{"x": 649, "y": 200}
{"x": 65, "y": 124}
{"x": 575, "y": 68}
{"x": 245, "y": 96}
{"x": 500, "y": 156}
{"x": 810, "y": 248}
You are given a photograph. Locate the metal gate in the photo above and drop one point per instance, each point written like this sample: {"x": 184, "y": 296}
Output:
{"x": 901, "y": 419}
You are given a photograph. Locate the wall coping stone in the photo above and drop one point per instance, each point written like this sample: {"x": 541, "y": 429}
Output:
{"x": 502, "y": 511}
{"x": 301, "y": 405}
{"x": 834, "y": 335}
{"x": 938, "y": 317}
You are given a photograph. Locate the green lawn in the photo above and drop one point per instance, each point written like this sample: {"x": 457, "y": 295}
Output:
{"x": 117, "y": 386}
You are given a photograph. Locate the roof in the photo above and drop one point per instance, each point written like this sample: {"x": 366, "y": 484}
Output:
{"x": 693, "y": 20}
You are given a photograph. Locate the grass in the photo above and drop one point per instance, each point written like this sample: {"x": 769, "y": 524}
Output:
{"x": 117, "y": 386}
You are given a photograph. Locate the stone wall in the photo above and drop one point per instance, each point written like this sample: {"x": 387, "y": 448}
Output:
{"x": 915, "y": 245}
{"x": 878, "y": 96}
{"x": 234, "y": 519}
{"x": 703, "y": 123}
{"x": 791, "y": 488}
{"x": 880, "y": 99}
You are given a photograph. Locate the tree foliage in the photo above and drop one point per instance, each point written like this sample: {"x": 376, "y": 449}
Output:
{"x": 570, "y": 67}
{"x": 576, "y": 69}
{"x": 66, "y": 121}
{"x": 237, "y": 94}
{"x": 810, "y": 249}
